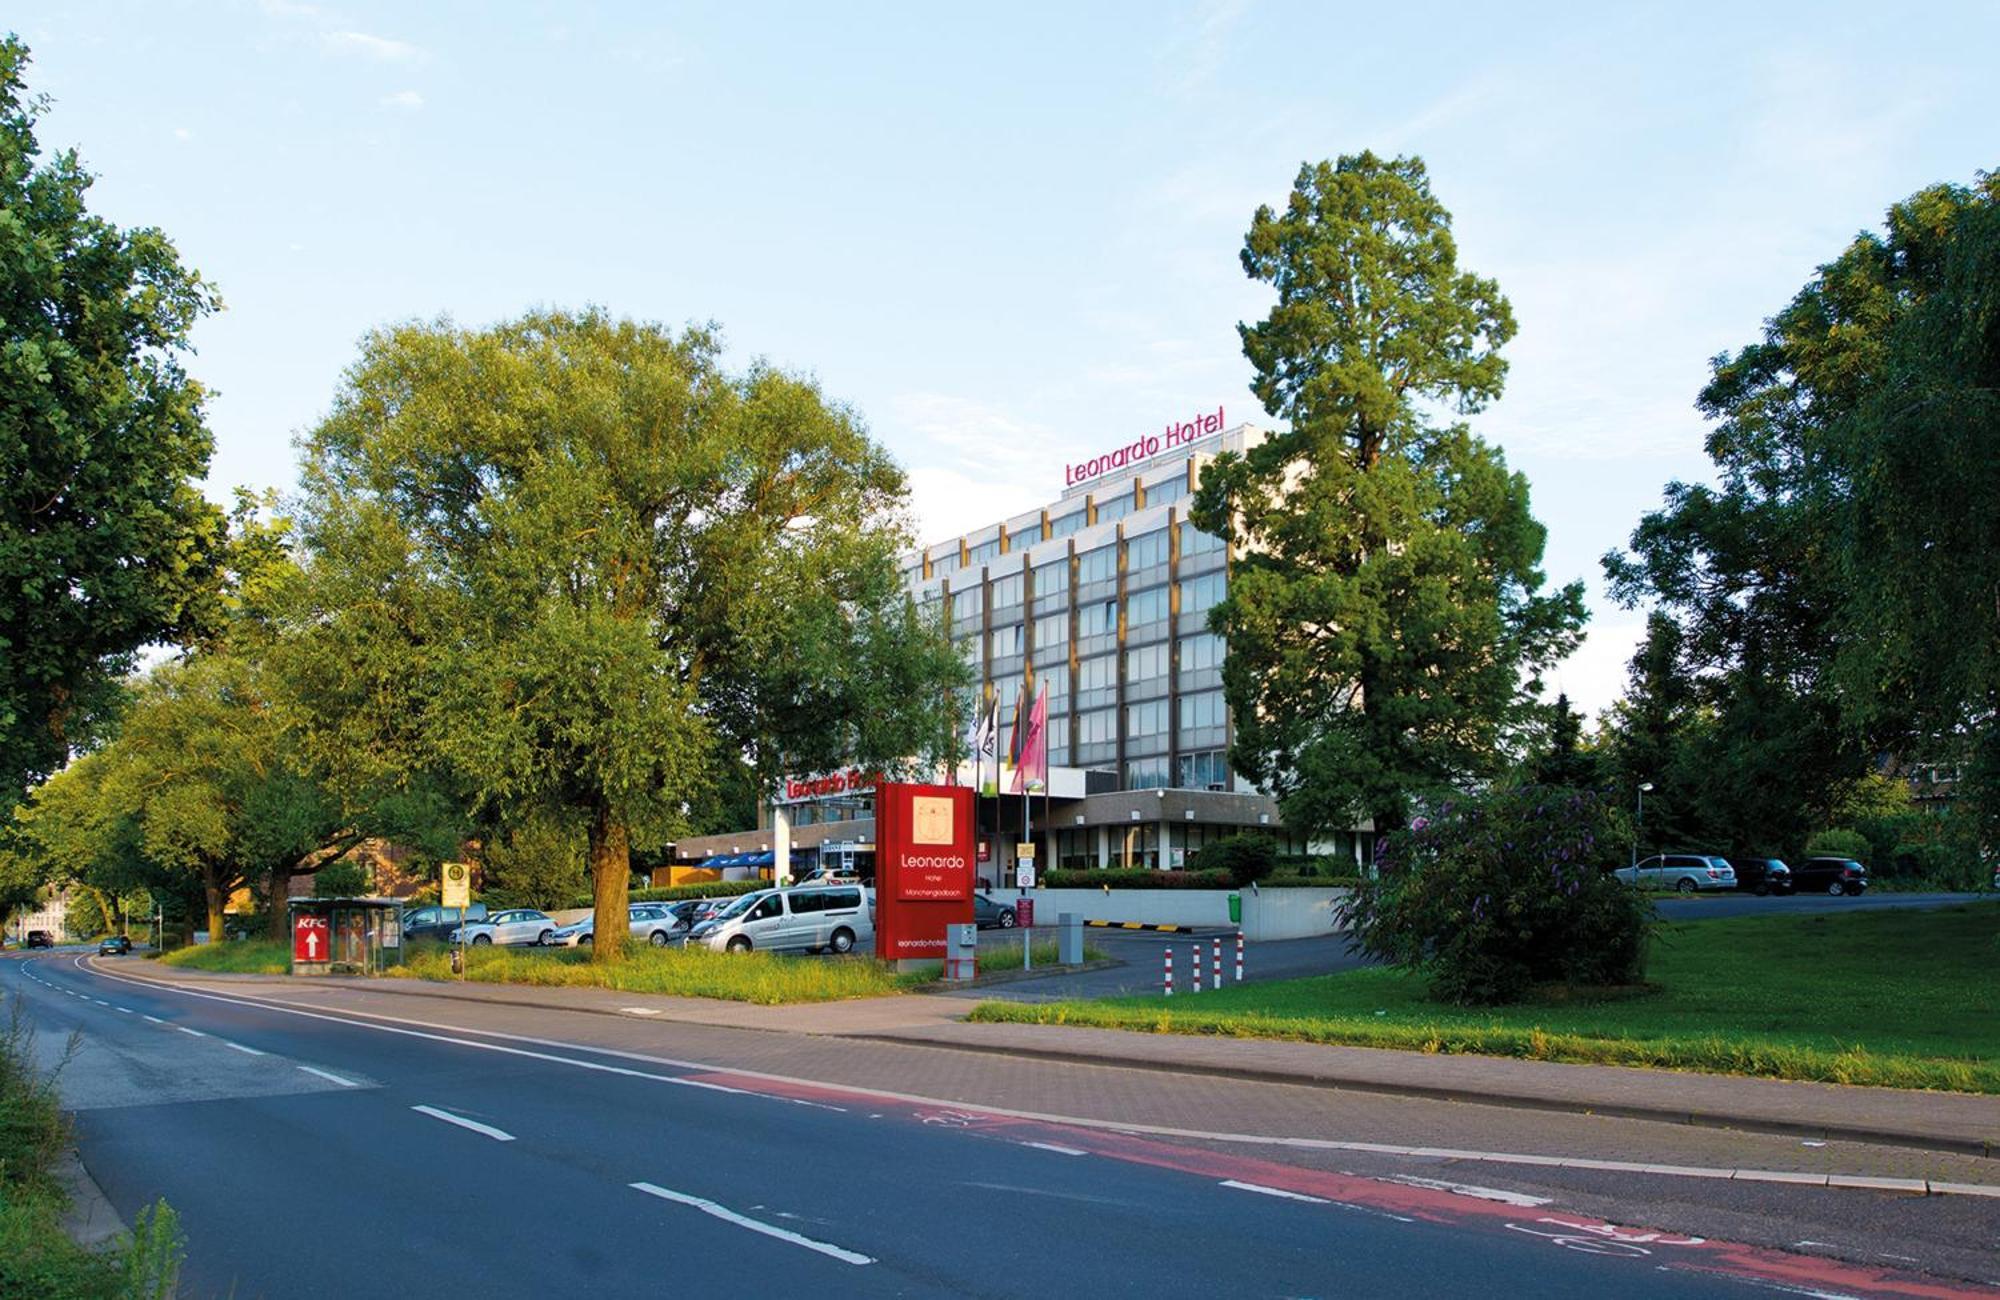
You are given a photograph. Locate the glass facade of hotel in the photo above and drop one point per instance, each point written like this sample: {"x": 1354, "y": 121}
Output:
{"x": 1103, "y": 598}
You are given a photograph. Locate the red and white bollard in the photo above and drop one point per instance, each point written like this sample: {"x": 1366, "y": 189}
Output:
{"x": 1239, "y": 956}
{"x": 1170, "y": 972}
{"x": 1216, "y": 952}
{"x": 1197, "y": 967}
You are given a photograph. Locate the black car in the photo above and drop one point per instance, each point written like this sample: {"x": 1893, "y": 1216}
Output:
{"x": 1762, "y": 875}
{"x": 1834, "y": 876}
{"x": 991, "y": 915}
{"x": 114, "y": 945}
{"x": 40, "y": 939}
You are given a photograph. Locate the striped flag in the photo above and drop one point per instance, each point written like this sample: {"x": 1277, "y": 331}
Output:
{"x": 1031, "y": 766}
{"x": 985, "y": 745}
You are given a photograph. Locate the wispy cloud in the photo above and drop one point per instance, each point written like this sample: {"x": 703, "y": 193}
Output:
{"x": 368, "y": 46}
{"x": 408, "y": 101}
{"x": 1196, "y": 53}
{"x": 288, "y": 9}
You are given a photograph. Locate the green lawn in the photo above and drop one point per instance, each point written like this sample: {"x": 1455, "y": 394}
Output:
{"x": 237, "y": 956}
{"x": 1897, "y": 998}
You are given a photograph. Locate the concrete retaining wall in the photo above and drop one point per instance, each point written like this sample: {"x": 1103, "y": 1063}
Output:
{"x": 1267, "y": 914}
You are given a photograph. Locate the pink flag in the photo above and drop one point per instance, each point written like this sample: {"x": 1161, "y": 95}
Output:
{"x": 1032, "y": 771}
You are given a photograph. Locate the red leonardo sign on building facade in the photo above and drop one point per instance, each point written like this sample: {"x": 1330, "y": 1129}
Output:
{"x": 924, "y": 851}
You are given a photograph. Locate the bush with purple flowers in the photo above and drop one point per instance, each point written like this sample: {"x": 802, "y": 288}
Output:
{"x": 1495, "y": 894}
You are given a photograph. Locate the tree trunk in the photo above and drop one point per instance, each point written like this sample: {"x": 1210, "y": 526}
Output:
{"x": 214, "y": 891}
{"x": 610, "y": 885}
{"x": 276, "y": 926}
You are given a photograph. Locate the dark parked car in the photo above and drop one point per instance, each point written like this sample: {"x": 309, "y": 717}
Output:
{"x": 991, "y": 915}
{"x": 40, "y": 939}
{"x": 114, "y": 945}
{"x": 1834, "y": 876}
{"x": 1762, "y": 875}
{"x": 438, "y": 922}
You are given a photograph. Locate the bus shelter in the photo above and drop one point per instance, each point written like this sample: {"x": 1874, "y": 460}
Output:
{"x": 346, "y": 936}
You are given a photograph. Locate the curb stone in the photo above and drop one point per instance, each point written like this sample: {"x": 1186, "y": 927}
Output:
{"x": 90, "y": 1220}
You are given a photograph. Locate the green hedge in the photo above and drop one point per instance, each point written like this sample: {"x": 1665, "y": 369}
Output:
{"x": 1145, "y": 878}
{"x": 675, "y": 893}
{"x": 1243, "y": 858}
{"x": 1135, "y": 878}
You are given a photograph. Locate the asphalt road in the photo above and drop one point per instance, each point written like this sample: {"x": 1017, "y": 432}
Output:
{"x": 321, "y": 1153}
{"x": 1140, "y": 967}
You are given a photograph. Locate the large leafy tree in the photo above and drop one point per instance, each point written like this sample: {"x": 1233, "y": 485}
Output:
{"x": 200, "y": 791}
{"x": 1920, "y": 453}
{"x": 578, "y": 565}
{"x": 1833, "y": 594}
{"x": 104, "y": 535}
{"x": 1385, "y": 616}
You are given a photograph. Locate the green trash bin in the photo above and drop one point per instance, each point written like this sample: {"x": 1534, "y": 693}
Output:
{"x": 1236, "y": 909}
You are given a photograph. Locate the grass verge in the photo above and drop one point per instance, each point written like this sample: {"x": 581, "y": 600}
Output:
{"x": 37, "y": 1258}
{"x": 761, "y": 977}
{"x": 236, "y": 956}
{"x": 1902, "y": 999}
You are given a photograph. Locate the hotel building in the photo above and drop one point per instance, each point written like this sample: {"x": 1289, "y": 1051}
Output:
{"x": 1102, "y": 596}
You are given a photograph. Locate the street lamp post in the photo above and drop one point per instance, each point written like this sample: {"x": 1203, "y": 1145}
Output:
{"x": 1638, "y": 819}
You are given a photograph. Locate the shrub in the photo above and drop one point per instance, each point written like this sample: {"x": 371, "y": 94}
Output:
{"x": 1244, "y": 857}
{"x": 1499, "y": 893}
{"x": 340, "y": 879}
{"x": 37, "y": 1256}
{"x": 1838, "y": 843}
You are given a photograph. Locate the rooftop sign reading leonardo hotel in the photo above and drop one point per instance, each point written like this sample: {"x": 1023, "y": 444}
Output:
{"x": 1176, "y": 436}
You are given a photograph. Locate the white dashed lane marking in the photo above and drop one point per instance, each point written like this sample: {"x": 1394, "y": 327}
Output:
{"x": 498, "y": 1135}
{"x": 1280, "y": 1192}
{"x": 755, "y": 1225}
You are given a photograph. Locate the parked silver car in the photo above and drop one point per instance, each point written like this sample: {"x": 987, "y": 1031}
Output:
{"x": 804, "y": 918}
{"x": 516, "y": 925}
{"x": 1682, "y": 872}
{"x": 650, "y": 923}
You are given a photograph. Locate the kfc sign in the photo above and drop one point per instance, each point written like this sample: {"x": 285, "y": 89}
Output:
{"x": 831, "y": 785}
{"x": 1176, "y": 436}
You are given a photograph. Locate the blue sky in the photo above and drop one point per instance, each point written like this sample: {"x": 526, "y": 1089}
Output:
{"x": 1010, "y": 236}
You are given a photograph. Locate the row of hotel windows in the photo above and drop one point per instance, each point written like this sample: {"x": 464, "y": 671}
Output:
{"x": 1094, "y": 618}
{"x": 1096, "y": 678}
{"x": 1200, "y": 716}
{"x": 1098, "y": 564}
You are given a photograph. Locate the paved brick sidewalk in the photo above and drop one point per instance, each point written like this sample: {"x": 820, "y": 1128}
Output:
{"x": 1937, "y": 1121}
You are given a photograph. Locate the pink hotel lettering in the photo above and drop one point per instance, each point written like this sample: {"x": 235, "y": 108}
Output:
{"x": 1176, "y": 435}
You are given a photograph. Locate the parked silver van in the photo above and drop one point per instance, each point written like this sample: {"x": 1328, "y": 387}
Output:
{"x": 804, "y": 918}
